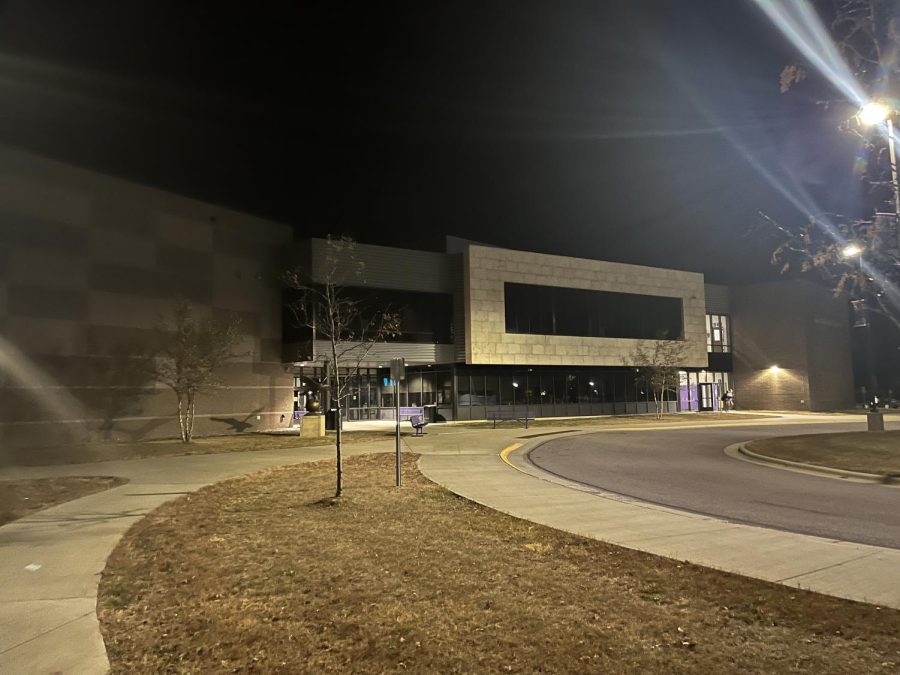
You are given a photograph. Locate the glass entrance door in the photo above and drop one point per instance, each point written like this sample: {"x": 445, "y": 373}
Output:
{"x": 705, "y": 394}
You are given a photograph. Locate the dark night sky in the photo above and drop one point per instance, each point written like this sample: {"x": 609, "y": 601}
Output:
{"x": 638, "y": 130}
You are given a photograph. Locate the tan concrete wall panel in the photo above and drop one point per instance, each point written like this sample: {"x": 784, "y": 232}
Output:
{"x": 122, "y": 248}
{"x": 487, "y": 269}
{"x": 48, "y": 269}
{"x": 36, "y": 335}
{"x": 185, "y": 232}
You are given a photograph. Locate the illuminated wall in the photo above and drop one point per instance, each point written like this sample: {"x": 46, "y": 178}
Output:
{"x": 488, "y": 270}
{"x": 802, "y": 329}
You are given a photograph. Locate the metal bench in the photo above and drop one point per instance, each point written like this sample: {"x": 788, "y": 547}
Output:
{"x": 418, "y": 423}
{"x": 512, "y": 414}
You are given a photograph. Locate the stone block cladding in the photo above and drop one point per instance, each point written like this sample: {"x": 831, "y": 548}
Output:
{"x": 90, "y": 263}
{"x": 486, "y": 270}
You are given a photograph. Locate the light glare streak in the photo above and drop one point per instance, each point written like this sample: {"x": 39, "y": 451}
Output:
{"x": 799, "y": 23}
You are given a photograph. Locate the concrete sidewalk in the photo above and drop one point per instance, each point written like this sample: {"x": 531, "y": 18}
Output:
{"x": 51, "y": 561}
{"x": 848, "y": 570}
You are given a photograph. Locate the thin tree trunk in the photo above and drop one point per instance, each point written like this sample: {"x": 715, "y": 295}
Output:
{"x": 190, "y": 420}
{"x": 338, "y": 425}
{"x": 339, "y": 489}
{"x": 182, "y": 418}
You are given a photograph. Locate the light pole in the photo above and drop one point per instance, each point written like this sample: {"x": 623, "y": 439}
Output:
{"x": 874, "y": 113}
{"x": 860, "y": 320}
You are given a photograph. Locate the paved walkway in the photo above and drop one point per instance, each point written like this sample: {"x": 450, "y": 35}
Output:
{"x": 509, "y": 484}
{"x": 51, "y": 561}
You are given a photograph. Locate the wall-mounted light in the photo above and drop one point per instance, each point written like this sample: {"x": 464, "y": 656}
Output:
{"x": 590, "y": 384}
{"x": 516, "y": 385}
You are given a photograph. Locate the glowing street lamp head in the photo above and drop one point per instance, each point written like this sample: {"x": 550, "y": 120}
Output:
{"x": 873, "y": 113}
{"x": 851, "y": 250}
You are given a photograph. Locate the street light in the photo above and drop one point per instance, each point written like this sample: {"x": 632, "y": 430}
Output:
{"x": 874, "y": 113}
{"x": 515, "y": 388}
{"x": 860, "y": 318}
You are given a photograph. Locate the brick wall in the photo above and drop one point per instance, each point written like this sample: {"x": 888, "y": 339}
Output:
{"x": 800, "y": 328}
{"x": 89, "y": 264}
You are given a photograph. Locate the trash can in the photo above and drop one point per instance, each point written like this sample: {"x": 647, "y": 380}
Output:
{"x": 875, "y": 421}
{"x": 430, "y": 414}
{"x": 331, "y": 420}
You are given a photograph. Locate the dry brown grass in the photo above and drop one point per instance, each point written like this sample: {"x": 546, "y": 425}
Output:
{"x": 104, "y": 452}
{"x": 620, "y": 420}
{"x": 20, "y": 498}
{"x": 266, "y": 573}
{"x": 867, "y": 451}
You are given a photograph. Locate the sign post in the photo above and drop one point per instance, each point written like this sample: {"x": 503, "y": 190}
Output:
{"x": 398, "y": 372}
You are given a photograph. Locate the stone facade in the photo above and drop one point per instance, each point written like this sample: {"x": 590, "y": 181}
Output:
{"x": 791, "y": 347}
{"x": 88, "y": 264}
{"x": 486, "y": 270}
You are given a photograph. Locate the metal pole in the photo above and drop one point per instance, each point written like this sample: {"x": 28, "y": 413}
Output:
{"x": 871, "y": 379}
{"x": 895, "y": 186}
{"x": 527, "y": 383}
{"x": 397, "y": 403}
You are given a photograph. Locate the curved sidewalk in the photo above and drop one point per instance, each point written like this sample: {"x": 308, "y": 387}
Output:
{"x": 848, "y": 570}
{"x": 51, "y": 561}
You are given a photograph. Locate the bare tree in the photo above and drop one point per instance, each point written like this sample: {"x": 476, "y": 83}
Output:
{"x": 658, "y": 367}
{"x": 859, "y": 256}
{"x": 189, "y": 353}
{"x": 327, "y": 304}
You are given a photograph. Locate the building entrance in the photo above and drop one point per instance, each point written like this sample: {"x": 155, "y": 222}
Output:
{"x": 707, "y": 397}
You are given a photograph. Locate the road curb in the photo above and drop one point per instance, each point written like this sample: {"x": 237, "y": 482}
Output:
{"x": 887, "y": 479}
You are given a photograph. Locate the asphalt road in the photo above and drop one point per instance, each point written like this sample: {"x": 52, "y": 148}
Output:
{"x": 687, "y": 469}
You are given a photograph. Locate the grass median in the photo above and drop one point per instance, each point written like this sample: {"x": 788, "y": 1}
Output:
{"x": 622, "y": 420}
{"x": 104, "y": 452}
{"x": 875, "y": 452}
{"x": 267, "y": 573}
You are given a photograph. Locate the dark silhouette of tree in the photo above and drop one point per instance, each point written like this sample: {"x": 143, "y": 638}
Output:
{"x": 189, "y": 353}
{"x": 859, "y": 256}
{"x": 657, "y": 365}
{"x": 326, "y": 304}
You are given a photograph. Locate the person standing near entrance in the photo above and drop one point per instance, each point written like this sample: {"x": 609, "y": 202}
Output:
{"x": 728, "y": 400}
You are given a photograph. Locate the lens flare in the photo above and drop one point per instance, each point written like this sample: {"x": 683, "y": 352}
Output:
{"x": 873, "y": 113}
{"x": 799, "y": 23}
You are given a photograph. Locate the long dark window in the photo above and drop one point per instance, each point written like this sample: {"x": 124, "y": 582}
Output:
{"x": 551, "y": 310}
{"x": 424, "y": 317}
